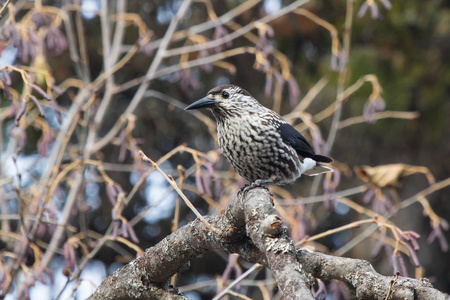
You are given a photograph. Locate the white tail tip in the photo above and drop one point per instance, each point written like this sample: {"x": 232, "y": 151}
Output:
{"x": 318, "y": 169}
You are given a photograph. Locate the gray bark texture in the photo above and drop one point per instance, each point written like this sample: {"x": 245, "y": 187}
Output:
{"x": 249, "y": 227}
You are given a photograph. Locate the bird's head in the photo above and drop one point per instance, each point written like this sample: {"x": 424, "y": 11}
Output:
{"x": 226, "y": 100}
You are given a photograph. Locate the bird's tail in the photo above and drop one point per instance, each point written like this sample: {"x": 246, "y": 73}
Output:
{"x": 322, "y": 158}
{"x": 318, "y": 169}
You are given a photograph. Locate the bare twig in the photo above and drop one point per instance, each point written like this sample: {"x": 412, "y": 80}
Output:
{"x": 237, "y": 281}
{"x": 177, "y": 189}
{"x": 405, "y": 203}
{"x": 342, "y": 74}
{"x": 196, "y": 29}
{"x": 381, "y": 115}
{"x": 4, "y": 7}
{"x": 235, "y": 34}
{"x": 91, "y": 148}
{"x": 341, "y": 86}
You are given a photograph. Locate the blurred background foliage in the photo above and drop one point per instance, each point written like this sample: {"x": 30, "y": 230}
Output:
{"x": 407, "y": 47}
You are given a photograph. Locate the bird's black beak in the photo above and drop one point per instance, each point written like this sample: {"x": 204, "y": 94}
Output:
{"x": 202, "y": 103}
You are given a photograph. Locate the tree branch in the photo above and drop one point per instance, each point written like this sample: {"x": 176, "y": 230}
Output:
{"x": 267, "y": 233}
{"x": 159, "y": 263}
{"x": 250, "y": 228}
{"x": 364, "y": 281}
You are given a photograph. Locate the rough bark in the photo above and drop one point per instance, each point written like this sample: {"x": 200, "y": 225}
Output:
{"x": 250, "y": 228}
{"x": 153, "y": 268}
{"x": 364, "y": 281}
{"x": 267, "y": 234}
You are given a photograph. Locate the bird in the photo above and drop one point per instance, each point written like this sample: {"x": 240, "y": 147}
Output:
{"x": 261, "y": 146}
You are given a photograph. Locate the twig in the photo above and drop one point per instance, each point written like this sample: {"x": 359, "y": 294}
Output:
{"x": 306, "y": 101}
{"x": 176, "y": 188}
{"x": 237, "y": 295}
{"x": 146, "y": 79}
{"x": 429, "y": 190}
{"x": 333, "y": 231}
{"x": 66, "y": 213}
{"x": 321, "y": 198}
{"x": 408, "y": 115}
{"x": 84, "y": 58}
{"x": 55, "y": 176}
{"x": 202, "y": 117}
{"x": 4, "y": 7}
{"x": 141, "y": 180}
{"x": 405, "y": 203}
{"x": 237, "y": 280}
{"x": 340, "y": 89}
{"x": 235, "y": 34}
{"x": 391, "y": 285}
{"x": 138, "y": 96}
{"x": 196, "y": 29}
{"x": 208, "y": 283}
{"x": 321, "y": 22}
{"x": 119, "y": 31}
{"x": 342, "y": 75}
{"x": 185, "y": 65}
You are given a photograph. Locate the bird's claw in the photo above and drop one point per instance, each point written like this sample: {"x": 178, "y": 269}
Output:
{"x": 263, "y": 183}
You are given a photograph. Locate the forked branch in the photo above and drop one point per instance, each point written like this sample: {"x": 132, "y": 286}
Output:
{"x": 249, "y": 227}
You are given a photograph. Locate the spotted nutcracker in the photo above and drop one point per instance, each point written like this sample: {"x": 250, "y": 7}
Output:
{"x": 262, "y": 147}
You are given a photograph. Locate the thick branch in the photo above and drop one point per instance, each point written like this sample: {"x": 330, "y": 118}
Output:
{"x": 364, "y": 281}
{"x": 250, "y": 228}
{"x": 266, "y": 231}
{"x": 160, "y": 262}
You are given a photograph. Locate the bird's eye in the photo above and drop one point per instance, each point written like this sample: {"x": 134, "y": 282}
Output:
{"x": 225, "y": 94}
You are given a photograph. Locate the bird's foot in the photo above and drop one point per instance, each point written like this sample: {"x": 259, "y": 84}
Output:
{"x": 261, "y": 183}
{"x": 257, "y": 183}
